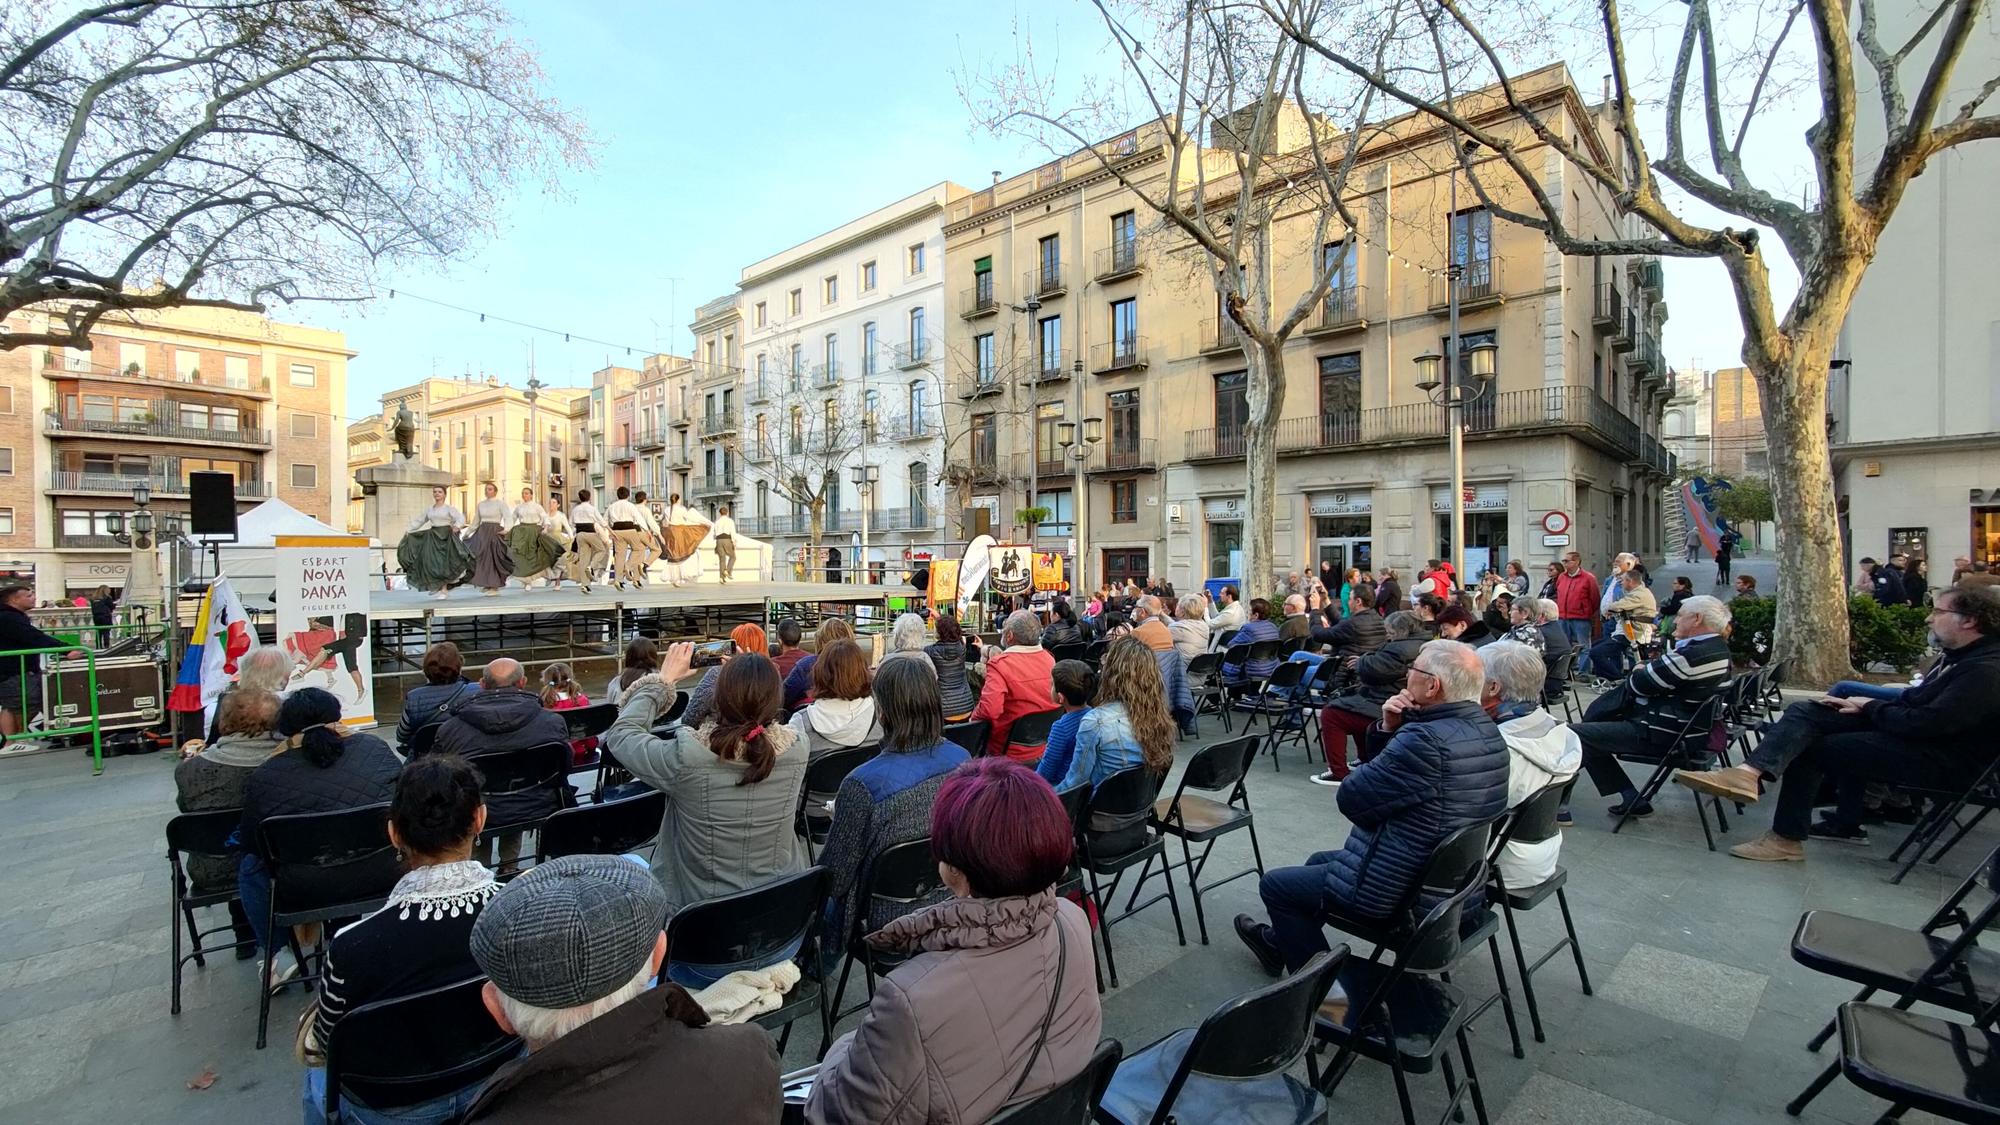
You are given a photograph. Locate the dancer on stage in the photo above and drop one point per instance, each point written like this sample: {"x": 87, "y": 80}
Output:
{"x": 628, "y": 540}
{"x": 431, "y": 555}
{"x": 556, "y": 524}
{"x": 649, "y": 522}
{"x": 592, "y": 544}
{"x": 725, "y": 543}
{"x": 488, "y": 545}
{"x": 531, "y": 546}
{"x": 685, "y": 530}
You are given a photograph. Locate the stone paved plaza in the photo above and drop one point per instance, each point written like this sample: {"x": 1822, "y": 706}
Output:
{"x": 1700, "y": 1014}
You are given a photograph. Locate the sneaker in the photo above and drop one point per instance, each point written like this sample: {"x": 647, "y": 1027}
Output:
{"x": 1827, "y": 828}
{"x": 1733, "y": 783}
{"x": 1326, "y": 778}
{"x": 1770, "y": 848}
{"x": 1564, "y": 819}
{"x": 1635, "y": 810}
{"x": 1257, "y": 935}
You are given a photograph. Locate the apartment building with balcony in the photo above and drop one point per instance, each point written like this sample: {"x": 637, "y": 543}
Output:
{"x": 843, "y": 366}
{"x": 716, "y": 395}
{"x": 481, "y": 430}
{"x": 662, "y": 436}
{"x": 158, "y": 396}
{"x": 1073, "y": 300}
{"x": 607, "y": 446}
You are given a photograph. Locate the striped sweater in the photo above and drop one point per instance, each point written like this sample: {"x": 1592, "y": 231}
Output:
{"x": 1677, "y": 682}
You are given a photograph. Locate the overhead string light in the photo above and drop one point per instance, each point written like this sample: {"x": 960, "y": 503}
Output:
{"x": 568, "y": 337}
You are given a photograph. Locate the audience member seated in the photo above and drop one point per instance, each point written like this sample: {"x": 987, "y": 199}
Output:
{"x": 1062, "y": 628}
{"x": 445, "y": 689}
{"x": 798, "y": 681}
{"x": 1640, "y": 717}
{"x": 320, "y": 768}
{"x": 1523, "y": 626}
{"x": 887, "y": 799}
{"x": 1075, "y": 686}
{"x": 789, "y": 650}
{"x": 1683, "y": 590}
{"x": 1746, "y": 586}
{"x": 1017, "y": 682}
{"x": 570, "y": 950}
{"x": 1455, "y": 623}
{"x": 1129, "y": 725}
{"x": 701, "y": 701}
{"x": 1227, "y": 613}
{"x": 217, "y": 778}
{"x": 948, "y": 656}
{"x": 265, "y": 668}
{"x": 1190, "y": 627}
{"x": 732, "y": 787}
{"x": 907, "y": 638}
{"x": 1441, "y": 765}
{"x": 1296, "y": 625}
{"x": 1541, "y": 751}
{"x": 1362, "y": 630}
{"x": 1378, "y": 676}
{"x": 642, "y": 658}
{"x": 419, "y": 940}
{"x": 505, "y": 716}
{"x": 998, "y": 1001}
{"x": 561, "y": 692}
{"x": 1628, "y": 624}
{"x": 842, "y": 713}
{"x": 1556, "y": 645}
{"x": 1150, "y": 629}
{"x": 1258, "y": 628}
{"x": 1496, "y": 615}
{"x": 1934, "y": 735}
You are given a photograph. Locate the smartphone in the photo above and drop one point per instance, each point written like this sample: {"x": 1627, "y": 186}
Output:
{"x": 710, "y": 653}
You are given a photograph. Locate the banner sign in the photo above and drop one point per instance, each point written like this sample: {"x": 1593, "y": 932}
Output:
{"x": 1010, "y": 572}
{"x": 944, "y": 584}
{"x": 322, "y": 585}
{"x": 1048, "y": 571}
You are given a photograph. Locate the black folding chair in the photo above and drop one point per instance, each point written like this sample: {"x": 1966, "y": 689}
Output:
{"x": 1113, "y": 835}
{"x": 823, "y": 777}
{"x": 1219, "y": 767}
{"x": 1281, "y": 704}
{"x": 1408, "y": 1014}
{"x": 1942, "y": 810}
{"x": 424, "y": 737}
{"x": 1533, "y": 822}
{"x": 1233, "y": 1066}
{"x": 518, "y": 773}
{"x": 324, "y": 867}
{"x": 903, "y": 877}
{"x": 1922, "y": 1062}
{"x": 1953, "y": 972}
{"x": 1236, "y": 656}
{"x": 970, "y": 735}
{"x": 757, "y": 926}
{"x": 203, "y": 834}
{"x": 1075, "y": 650}
{"x": 1773, "y": 687}
{"x": 1075, "y": 800}
{"x": 1093, "y": 654}
{"x": 589, "y": 722}
{"x": 1689, "y": 747}
{"x": 1557, "y": 687}
{"x": 1073, "y": 1101}
{"x": 605, "y": 828}
{"x": 391, "y": 1054}
{"x": 1032, "y": 730}
{"x": 1204, "y": 676}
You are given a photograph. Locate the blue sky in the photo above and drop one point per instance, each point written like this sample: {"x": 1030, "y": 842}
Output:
{"x": 729, "y": 132}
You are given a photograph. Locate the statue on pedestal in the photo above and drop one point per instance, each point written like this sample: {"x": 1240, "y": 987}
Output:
{"x": 406, "y": 432}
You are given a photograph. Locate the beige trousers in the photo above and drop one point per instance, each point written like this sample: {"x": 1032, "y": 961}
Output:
{"x": 627, "y": 548}
{"x": 588, "y": 566}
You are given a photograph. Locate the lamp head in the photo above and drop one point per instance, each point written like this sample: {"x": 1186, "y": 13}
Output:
{"x": 1482, "y": 357}
{"x": 1428, "y": 366}
{"x": 1093, "y": 430}
{"x": 1065, "y": 433}
{"x": 142, "y": 494}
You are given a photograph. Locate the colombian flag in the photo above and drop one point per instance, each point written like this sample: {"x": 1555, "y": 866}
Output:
{"x": 222, "y": 634}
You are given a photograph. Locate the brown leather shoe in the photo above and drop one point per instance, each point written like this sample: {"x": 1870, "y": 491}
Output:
{"x": 1334, "y": 1011}
{"x": 1771, "y": 848}
{"x": 1734, "y": 783}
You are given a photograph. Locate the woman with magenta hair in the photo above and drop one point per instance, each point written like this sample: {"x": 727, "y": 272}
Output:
{"x": 998, "y": 1001}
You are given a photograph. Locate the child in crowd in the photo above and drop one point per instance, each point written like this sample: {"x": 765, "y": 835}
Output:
{"x": 560, "y": 692}
{"x": 1075, "y": 684}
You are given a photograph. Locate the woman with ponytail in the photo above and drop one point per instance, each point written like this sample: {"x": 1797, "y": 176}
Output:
{"x": 732, "y": 786}
{"x": 419, "y": 940}
{"x": 319, "y": 767}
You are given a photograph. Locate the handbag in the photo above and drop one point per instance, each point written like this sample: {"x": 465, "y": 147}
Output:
{"x": 1048, "y": 1017}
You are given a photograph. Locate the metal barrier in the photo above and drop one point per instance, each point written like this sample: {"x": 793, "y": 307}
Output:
{"x": 54, "y": 709}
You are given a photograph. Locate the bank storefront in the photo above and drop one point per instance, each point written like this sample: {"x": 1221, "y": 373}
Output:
{"x": 1487, "y": 518}
{"x": 1342, "y": 528}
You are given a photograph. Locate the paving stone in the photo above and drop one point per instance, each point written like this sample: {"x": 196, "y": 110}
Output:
{"x": 1694, "y": 991}
{"x": 1547, "y": 1100}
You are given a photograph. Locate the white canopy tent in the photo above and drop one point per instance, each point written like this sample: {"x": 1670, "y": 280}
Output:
{"x": 251, "y": 561}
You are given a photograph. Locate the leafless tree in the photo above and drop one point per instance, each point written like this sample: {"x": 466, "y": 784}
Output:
{"x": 1723, "y": 75}
{"x": 229, "y": 152}
{"x": 1221, "y": 92}
{"x": 812, "y": 426}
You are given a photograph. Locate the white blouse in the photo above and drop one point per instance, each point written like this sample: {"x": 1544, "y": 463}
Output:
{"x": 492, "y": 511}
{"x": 438, "y": 515}
{"x": 527, "y": 511}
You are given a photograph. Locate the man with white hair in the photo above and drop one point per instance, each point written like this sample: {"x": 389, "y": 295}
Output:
{"x": 575, "y": 944}
{"x": 1541, "y": 751}
{"x": 1017, "y": 683}
{"x": 1442, "y": 766}
{"x": 1296, "y": 625}
{"x": 1639, "y": 719}
{"x": 1190, "y": 627}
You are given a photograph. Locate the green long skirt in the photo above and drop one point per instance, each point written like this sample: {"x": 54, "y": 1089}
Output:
{"x": 534, "y": 550}
{"x": 433, "y": 558}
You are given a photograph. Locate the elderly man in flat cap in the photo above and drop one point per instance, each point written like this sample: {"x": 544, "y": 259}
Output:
{"x": 570, "y": 952}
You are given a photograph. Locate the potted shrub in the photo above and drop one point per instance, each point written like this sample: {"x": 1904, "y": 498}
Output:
{"x": 1032, "y": 518}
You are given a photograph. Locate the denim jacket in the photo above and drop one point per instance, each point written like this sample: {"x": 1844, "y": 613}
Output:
{"x": 1105, "y": 744}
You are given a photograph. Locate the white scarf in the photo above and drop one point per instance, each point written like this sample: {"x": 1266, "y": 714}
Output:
{"x": 443, "y": 889}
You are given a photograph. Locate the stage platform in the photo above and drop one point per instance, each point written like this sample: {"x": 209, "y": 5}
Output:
{"x": 466, "y": 601}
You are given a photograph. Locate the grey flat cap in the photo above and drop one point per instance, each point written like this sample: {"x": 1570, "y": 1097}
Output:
{"x": 570, "y": 931}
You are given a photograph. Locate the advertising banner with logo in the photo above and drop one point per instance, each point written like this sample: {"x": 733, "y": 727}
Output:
{"x": 1048, "y": 570}
{"x": 944, "y": 583}
{"x": 322, "y": 585}
{"x": 1011, "y": 570}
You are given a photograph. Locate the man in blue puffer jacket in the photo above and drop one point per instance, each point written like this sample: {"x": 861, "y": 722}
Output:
{"x": 1444, "y": 766}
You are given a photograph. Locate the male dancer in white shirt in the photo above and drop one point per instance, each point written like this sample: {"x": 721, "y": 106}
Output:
{"x": 649, "y": 522}
{"x": 592, "y": 544}
{"x": 628, "y": 539}
{"x": 725, "y": 542}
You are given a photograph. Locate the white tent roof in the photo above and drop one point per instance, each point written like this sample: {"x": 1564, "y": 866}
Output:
{"x": 261, "y": 525}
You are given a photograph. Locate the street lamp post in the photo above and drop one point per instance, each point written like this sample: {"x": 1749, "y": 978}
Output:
{"x": 1455, "y": 396}
{"x": 1077, "y": 450}
{"x": 864, "y": 477}
{"x": 533, "y": 392}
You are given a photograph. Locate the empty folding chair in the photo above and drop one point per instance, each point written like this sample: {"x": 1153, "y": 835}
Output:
{"x": 1204, "y": 676}
{"x": 1220, "y": 767}
{"x": 1282, "y": 705}
{"x": 1533, "y": 822}
{"x": 1114, "y": 836}
{"x": 1941, "y": 814}
{"x": 1921, "y": 1062}
{"x": 605, "y": 828}
{"x": 205, "y": 835}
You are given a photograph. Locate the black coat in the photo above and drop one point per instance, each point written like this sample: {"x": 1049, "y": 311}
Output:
{"x": 498, "y": 720}
{"x": 1363, "y": 632}
{"x": 1381, "y": 674}
{"x": 364, "y": 774}
{"x": 1954, "y": 711}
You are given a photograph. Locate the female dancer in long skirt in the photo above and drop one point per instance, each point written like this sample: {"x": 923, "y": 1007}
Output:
{"x": 430, "y": 554}
{"x": 530, "y": 545}
{"x": 491, "y": 565}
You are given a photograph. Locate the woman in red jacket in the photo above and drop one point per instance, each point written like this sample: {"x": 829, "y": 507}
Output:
{"x": 1017, "y": 683}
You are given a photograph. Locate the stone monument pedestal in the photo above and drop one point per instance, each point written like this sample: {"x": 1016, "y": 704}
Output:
{"x": 393, "y": 497}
